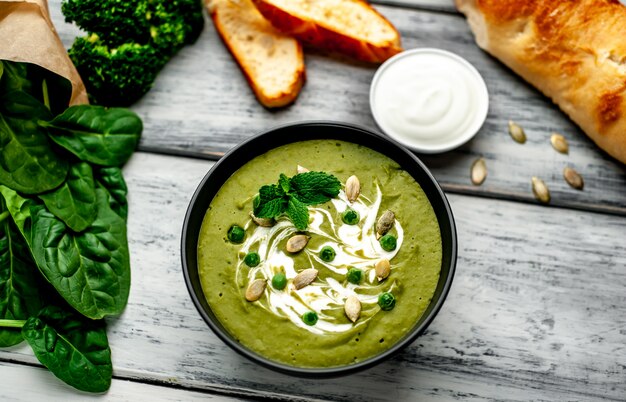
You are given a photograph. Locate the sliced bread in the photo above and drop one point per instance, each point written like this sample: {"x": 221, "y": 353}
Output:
{"x": 350, "y": 27}
{"x": 272, "y": 62}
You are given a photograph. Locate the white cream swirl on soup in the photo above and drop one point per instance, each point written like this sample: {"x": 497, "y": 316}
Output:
{"x": 355, "y": 246}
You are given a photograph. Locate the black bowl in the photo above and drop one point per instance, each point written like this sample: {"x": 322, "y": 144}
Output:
{"x": 286, "y": 134}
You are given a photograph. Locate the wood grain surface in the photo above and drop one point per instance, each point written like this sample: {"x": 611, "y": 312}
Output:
{"x": 537, "y": 309}
{"x": 23, "y": 383}
{"x": 201, "y": 104}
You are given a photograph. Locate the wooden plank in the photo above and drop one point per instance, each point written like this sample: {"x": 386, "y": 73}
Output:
{"x": 202, "y": 104}
{"x": 27, "y": 384}
{"x": 537, "y": 309}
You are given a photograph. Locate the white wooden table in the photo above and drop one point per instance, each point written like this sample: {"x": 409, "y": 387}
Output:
{"x": 537, "y": 310}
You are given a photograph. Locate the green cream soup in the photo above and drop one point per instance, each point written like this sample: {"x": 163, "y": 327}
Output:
{"x": 309, "y": 327}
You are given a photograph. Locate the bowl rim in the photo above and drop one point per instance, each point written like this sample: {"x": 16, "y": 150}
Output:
{"x": 334, "y": 371}
{"x": 479, "y": 118}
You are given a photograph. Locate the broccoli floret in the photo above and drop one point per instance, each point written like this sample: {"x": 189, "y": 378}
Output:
{"x": 119, "y": 21}
{"x": 129, "y": 42}
{"x": 176, "y": 23}
{"x": 115, "y": 76}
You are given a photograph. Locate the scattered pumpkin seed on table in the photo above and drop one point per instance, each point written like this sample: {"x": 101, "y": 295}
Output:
{"x": 573, "y": 178}
{"x": 540, "y": 190}
{"x": 559, "y": 143}
{"x": 517, "y": 132}
{"x": 478, "y": 171}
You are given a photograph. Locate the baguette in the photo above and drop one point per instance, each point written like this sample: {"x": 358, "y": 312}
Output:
{"x": 573, "y": 51}
{"x": 272, "y": 62}
{"x": 350, "y": 27}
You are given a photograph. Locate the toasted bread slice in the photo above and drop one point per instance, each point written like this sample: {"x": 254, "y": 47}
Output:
{"x": 272, "y": 61}
{"x": 351, "y": 27}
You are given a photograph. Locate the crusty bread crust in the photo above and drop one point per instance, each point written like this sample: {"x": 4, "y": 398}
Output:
{"x": 574, "y": 51}
{"x": 336, "y": 26}
{"x": 272, "y": 62}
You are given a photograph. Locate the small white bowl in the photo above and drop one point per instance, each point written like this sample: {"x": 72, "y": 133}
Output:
{"x": 441, "y": 85}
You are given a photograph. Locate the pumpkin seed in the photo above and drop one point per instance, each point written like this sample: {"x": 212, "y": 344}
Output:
{"x": 301, "y": 169}
{"x": 255, "y": 289}
{"x": 265, "y": 222}
{"x": 304, "y": 278}
{"x": 478, "y": 172}
{"x": 353, "y": 188}
{"x": 385, "y": 223}
{"x": 383, "y": 269}
{"x": 540, "y": 190}
{"x": 297, "y": 243}
{"x": 352, "y": 308}
{"x": 559, "y": 143}
{"x": 517, "y": 132}
{"x": 573, "y": 178}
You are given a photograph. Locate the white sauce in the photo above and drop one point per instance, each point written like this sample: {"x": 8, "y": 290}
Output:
{"x": 355, "y": 245}
{"x": 428, "y": 99}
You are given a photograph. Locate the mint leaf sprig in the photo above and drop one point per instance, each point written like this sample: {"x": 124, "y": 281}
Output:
{"x": 292, "y": 195}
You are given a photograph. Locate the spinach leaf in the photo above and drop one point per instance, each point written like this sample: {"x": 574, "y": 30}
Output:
{"x": 91, "y": 269}
{"x": 112, "y": 179}
{"x": 45, "y": 86}
{"x": 19, "y": 208}
{"x": 14, "y": 77}
{"x": 98, "y": 135}
{"x": 21, "y": 105}
{"x": 74, "y": 349}
{"x": 20, "y": 295}
{"x": 75, "y": 201}
{"x": 27, "y": 161}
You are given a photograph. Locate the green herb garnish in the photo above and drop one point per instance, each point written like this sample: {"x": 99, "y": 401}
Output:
{"x": 292, "y": 195}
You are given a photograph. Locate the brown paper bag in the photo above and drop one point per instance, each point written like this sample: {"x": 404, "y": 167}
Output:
{"x": 27, "y": 35}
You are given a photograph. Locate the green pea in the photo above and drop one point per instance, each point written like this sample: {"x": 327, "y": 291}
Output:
{"x": 279, "y": 281}
{"x": 252, "y": 259}
{"x": 350, "y": 217}
{"x": 386, "y": 301}
{"x": 388, "y": 242}
{"x": 327, "y": 253}
{"x": 354, "y": 275}
{"x": 236, "y": 234}
{"x": 309, "y": 318}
